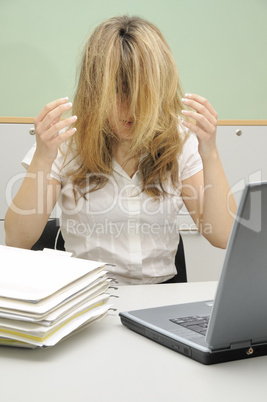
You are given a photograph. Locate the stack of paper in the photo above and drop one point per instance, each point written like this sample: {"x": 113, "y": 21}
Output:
{"x": 47, "y": 295}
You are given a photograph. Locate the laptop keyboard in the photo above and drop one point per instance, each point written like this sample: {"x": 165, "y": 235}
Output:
{"x": 194, "y": 323}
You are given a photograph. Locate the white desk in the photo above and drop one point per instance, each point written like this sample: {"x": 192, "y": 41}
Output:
{"x": 109, "y": 362}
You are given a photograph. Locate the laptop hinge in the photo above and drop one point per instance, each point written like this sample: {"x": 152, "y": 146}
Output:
{"x": 238, "y": 345}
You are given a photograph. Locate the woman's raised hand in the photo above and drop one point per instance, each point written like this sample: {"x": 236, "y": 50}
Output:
{"x": 206, "y": 122}
{"x": 48, "y": 124}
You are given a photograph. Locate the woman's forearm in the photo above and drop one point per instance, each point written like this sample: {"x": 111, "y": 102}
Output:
{"x": 38, "y": 194}
{"x": 219, "y": 205}
{"x": 29, "y": 211}
{"x": 214, "y": 207}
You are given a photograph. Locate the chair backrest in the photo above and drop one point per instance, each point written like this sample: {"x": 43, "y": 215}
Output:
{"x": 180, "y": 263}
{"x": 52, "y": 238}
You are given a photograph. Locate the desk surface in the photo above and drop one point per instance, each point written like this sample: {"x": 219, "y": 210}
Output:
{"x": 107, "y": 361}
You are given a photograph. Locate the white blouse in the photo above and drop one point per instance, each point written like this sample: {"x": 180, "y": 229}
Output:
{"x": 123, "y": 227}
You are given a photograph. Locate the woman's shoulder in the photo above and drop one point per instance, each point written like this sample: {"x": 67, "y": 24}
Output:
{"x": 189, "y": 159}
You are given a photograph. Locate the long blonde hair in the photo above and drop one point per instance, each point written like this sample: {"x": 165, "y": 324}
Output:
{"x": 127, "y": 58}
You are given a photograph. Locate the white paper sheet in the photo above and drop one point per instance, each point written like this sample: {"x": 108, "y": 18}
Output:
{"x": 39, "y": 310}
{"x": 32, "y": 276}
{"x": 89, "y": 312}
{"x": 48, "y": 296}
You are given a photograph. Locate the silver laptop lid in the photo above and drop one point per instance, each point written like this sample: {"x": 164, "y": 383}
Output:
{"x": 239, "y": 314}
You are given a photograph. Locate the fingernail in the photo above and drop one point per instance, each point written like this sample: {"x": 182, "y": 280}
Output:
{"x": 65, "y": 99}
{"x": 188, "y": 95}
{"x": 68, "y": 105}
{"x": 184, "y": 100}
{"x": 74, "y": 118}
{"x": 183, "y": 111}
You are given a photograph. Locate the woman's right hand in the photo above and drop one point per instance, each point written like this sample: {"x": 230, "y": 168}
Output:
{"x": 48, "y": 124}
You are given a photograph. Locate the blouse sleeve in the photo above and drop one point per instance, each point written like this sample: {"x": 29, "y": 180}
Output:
{"x": 189, "y": 161}
{"x": 55, "y": 170}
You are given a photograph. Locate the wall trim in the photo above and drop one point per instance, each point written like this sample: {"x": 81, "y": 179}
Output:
{"x": 242, "y": 122}
{"x": 29, "y": 120}
{"x": 16, "y": 120}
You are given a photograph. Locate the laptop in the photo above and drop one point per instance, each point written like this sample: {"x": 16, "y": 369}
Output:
{"x": 234, "y": 325}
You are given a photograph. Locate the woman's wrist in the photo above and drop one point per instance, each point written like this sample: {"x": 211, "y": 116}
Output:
{"x": 40, "y": 164}
{"x": 211, "y": 155}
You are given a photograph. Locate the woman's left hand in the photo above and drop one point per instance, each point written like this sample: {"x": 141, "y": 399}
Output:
{"x": 206, "y": 122}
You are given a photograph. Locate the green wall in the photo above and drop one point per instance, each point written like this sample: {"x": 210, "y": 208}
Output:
{"x": 220, "y": 48}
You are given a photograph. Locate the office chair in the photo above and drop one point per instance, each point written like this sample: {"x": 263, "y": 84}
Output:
{"x": 52, "y": 238}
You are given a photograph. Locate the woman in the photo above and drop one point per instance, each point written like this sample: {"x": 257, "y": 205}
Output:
{"x": 124, "y": 163}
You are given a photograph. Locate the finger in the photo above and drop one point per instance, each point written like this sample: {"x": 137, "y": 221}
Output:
{"x": 201, "y": 120}
{"x": 203, "y": 101}
{"x": 59, "y": 139}
{"x": 57, "y": 127}
{"x": 50, "y": 106}
{"x": 199, "y": 103}
{"x": 52, "y": 117}
{"x": 195, "y": 129}
{"x": 200, "y": 109}
{"x": 201, "y": 112}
